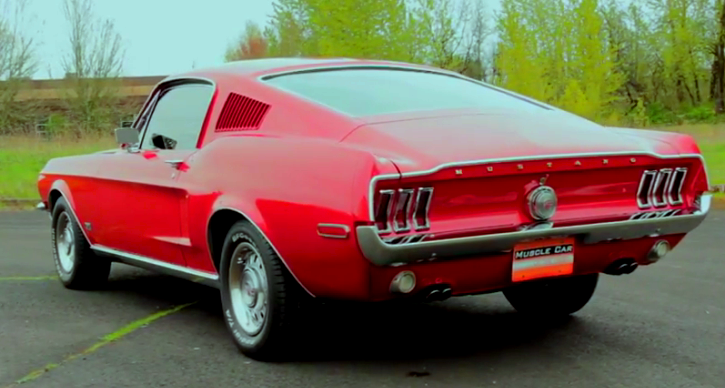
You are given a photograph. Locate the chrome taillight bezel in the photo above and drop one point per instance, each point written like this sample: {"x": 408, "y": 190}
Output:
{"x": 680, "y": 172}
{"x": 659, "y": 188}
{"x": 422, "y": 208}
{"x": 401, "y": 215}
{"x": 385, "y": 199}
{"x": 402, "y": 210}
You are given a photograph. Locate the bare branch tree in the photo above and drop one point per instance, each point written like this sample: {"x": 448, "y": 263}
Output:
{"x": 17, "y": 64}
{"x": 474, "y": 35}
{"x": 93, "y": 66}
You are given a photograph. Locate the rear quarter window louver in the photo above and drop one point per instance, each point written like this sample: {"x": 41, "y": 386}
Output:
{"x": 241, "y": 113}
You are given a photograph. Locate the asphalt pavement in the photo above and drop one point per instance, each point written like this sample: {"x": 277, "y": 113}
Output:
{"x": 662, "y": 326}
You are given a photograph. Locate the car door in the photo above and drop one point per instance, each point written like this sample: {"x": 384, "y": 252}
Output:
{"x": 139, "y": 198}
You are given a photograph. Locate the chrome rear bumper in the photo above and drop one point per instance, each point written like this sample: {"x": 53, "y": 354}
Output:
{"x": 381, "y": 253}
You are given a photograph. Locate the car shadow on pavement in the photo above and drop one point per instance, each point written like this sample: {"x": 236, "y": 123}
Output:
{"x": 334, "y": 331}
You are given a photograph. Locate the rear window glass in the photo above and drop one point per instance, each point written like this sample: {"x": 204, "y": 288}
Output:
{"x": 365, "y": 92}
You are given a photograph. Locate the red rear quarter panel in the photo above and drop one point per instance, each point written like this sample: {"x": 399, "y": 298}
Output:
{"x": 287, "y": 186}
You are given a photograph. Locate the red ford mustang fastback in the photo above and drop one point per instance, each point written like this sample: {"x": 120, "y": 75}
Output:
{"x": 281, "y": 181}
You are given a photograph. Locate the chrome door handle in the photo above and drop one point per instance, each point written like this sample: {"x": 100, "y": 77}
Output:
{"x": 175, "y": 163}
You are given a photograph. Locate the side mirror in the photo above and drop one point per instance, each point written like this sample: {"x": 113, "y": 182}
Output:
{"x": 126, "y": 136}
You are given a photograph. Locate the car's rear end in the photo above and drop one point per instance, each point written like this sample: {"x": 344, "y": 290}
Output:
{"x": 475, "y": 227}
{"x": 494, "y": 189}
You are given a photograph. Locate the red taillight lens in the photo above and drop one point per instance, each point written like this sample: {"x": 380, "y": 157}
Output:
{"x": 403, "y": 210}
{"x": 382, "y": 211}
{"x": 422, "y": 207}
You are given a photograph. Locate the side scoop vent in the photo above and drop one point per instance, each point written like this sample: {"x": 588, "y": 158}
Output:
{"x": 241, "y": 113}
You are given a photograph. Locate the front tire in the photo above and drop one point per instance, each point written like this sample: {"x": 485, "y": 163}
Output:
{"x": 260, "y": 298}
{"x": 554, "y": 297}
{"x": 78, "y": 267}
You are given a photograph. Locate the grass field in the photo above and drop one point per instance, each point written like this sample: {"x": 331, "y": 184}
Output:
{"x": 22, "y": 157}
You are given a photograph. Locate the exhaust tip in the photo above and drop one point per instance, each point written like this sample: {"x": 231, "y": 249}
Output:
{"x": 658, "y": 251}
{"x": 433, "y": 296}
{"x": 621, "y": 267}
{"x": 446, "y": 293}
{"x": 437, "y": 293}
{"x": 631, "y": 267}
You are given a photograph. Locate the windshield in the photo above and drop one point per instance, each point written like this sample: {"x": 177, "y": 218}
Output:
{"x": 366, "y": 91}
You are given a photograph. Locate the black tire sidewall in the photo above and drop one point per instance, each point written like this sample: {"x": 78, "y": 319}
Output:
{"x": 239, "y": 233}
{"x": 553, "y": 297}
{"x": 60, "y": 207}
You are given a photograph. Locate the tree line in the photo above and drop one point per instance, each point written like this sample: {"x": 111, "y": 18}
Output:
{"x": 621, "y": 62}
{"x": 89, "y": 100}
{"x": 634, "y": 62}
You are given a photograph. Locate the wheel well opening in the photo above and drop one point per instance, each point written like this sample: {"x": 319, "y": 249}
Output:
{"x": 219, "y": 225}
{"x": 53, "y": 198}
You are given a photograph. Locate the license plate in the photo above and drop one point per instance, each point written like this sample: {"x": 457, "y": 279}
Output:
{"x": 542, "y": 258}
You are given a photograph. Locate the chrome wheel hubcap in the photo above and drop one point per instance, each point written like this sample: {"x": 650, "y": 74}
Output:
{"x": 65, "y": 242}
{"x": 248, "y": 288}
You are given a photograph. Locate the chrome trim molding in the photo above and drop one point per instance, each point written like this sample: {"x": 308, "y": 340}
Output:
{"x": 443, "y": 166}
{"x": 655, "y": 214}
{"x": 391, "y": 196}
{"x": 660, "y": 185}
{"x": 380, "y": 253}
{"x": 651, "y": 175}
{"x": 671, "y": 189}
{"x": 159, "y": 266}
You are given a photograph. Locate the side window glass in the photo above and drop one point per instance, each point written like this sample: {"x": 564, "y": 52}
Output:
{"x": 177, "y": 118}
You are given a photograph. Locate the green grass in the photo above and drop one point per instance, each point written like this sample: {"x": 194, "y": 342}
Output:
{"x": 711, "y": 139}
{"x": 22, "y": 157}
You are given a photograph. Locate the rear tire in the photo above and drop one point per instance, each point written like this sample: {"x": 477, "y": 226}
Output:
{"x": 78, "y": 267}
{"x": 553, "y": 297}
{"x": 261, "y": 300}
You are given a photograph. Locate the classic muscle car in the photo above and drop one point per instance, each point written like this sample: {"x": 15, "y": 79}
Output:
{"x": 289, "y": 180}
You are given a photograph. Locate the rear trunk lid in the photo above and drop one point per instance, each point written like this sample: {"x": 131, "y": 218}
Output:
{"x": 481, "y": 169}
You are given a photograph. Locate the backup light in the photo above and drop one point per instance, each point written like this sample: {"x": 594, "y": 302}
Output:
{"x": 658, "y": 250}
{"x": 403, "y": 283}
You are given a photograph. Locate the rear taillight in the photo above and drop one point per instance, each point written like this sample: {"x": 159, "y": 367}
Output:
{"x": 403, "y": 210}
{"x": 383, "y": 209}
{"x": 659, "y": 188}
{"x": 420, "y": 217}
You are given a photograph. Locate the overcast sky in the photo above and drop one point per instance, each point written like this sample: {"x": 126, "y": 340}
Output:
{"x": 160, "y": 36}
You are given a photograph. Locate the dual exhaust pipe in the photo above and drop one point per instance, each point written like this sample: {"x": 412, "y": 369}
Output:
{"x": 626, "y": 266}
{"x": 405, "y": 281}
{"x": 621, "y": 267}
